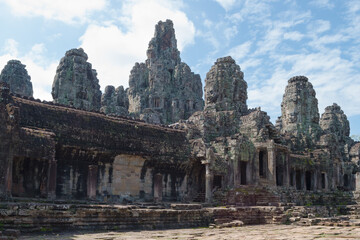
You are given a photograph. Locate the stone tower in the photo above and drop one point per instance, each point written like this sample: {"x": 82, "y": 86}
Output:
{"x": 334, "y": 122}
{"x": 15, "y": 74}
{"x": 300, "y": 113}
{"x": 225, "y": 99}
{"x": 115, "y": 101}
{"x": 225, "y": 88}
{"x": 75, "y": 83}
{"x": 163, "y": 89}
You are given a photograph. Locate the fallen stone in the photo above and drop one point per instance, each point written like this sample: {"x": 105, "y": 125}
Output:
{"x": 185, "y": 206}
{"x": 236, "y": 223}
{"x": 294, "y": 219}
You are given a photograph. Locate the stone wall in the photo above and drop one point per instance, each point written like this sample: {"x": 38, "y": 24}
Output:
{"x": 52, "y": 217}
{"x": 84, "y": 154}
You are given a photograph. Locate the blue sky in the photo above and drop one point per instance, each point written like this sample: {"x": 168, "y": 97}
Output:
{"x": 271, "y": 40}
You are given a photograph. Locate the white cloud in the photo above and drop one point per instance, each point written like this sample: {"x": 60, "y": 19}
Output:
{"x": 334, "y": 78}
{"x": 113, "y": 51}
{"x": 226, "y": 4}
{"x": 240, "y": 51}
{"x": 208, "y": 23}
{"x": 272, "y": 39}
{"x": 322, "y": 3}
{"x": 250, "y": 63}
{"x": 295, "y": 36}
{"x": 68, "y": 11}
{"x": 353, "y": 6}
{"x": 328, "y": 39}
{"x": 318, "y": 26}
{"x": 230, "y": 32}
{"x": 10, "y": 47}
{"x": 41, "y": 71}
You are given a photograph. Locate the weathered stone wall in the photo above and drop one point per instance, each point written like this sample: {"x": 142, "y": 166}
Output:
{"x": 96, "y": 131}
{"x": 37, "y": 217}
{"x": 8, "y": 128}
{"x": 86, "y": 154}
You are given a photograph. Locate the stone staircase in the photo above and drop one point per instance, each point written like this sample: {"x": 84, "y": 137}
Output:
{"x": 342, "y": 216}
{"x": 200, "y": 197}
{"x": 250, "y": 215}
{"x": 248, "y": 195}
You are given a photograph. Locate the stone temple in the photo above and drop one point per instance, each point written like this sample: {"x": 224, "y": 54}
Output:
{"x": 159, "y": 141}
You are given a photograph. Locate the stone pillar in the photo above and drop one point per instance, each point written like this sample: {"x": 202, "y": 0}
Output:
{"x": 51, "y": 184}
{"x": 208, "y": 183}
{"x": 287, "y": 170}
{"x": 92, "y": 181}
{"x": 357, "y": 182}
{"x": 158, "y": 187}
{"x": 294, "y": 178}
{"x": 8, "y": 177}
{"x": 303, "y": 182}
{"x": 315, "y": 180}
{"x": 256, "y": 168}
{"x": 271, "y": 173}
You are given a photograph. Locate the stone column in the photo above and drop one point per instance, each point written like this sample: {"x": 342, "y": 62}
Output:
{"x": 8, "y": 177}
{"x": 256, "y": 167}
{"x": 294, "y": 178}
{"x": 158, "y": 187}
{"x": 92, "y": 181}
{"x": 287, "y": 170}
{"x": 357, "y": 182}
{"x": 315, "y": 180}
{"x": 208, "y": 183}
{"x": 271, "y": 173}
{"x": 303, "y": 182}
{"x": 51, "y": 184}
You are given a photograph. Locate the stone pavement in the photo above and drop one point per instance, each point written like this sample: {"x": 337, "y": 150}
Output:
{"x": 253, "y": 232}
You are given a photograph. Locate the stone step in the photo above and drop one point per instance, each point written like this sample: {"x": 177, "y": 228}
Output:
{"x": 222, "y": 220}
{"x": 200, "y": 197}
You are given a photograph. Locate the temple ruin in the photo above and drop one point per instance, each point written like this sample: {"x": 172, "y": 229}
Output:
{"x": 160, "y": 141}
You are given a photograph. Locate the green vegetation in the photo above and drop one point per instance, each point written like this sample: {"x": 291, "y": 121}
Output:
{"x": 46, "y": 229}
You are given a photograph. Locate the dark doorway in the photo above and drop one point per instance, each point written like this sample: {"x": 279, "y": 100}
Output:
{"x": 279, "y": 175}
{"x": 308, "y": 179}
{"x": 243, "y": 166}
{"x": 346, "y": 181}
{"x": 262, "y": 163}
{"x": 298, "y": 180}
{"x": 29, "y": 177}
{"x": 217, "y": 181}
{"x": 292, "y": 178}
